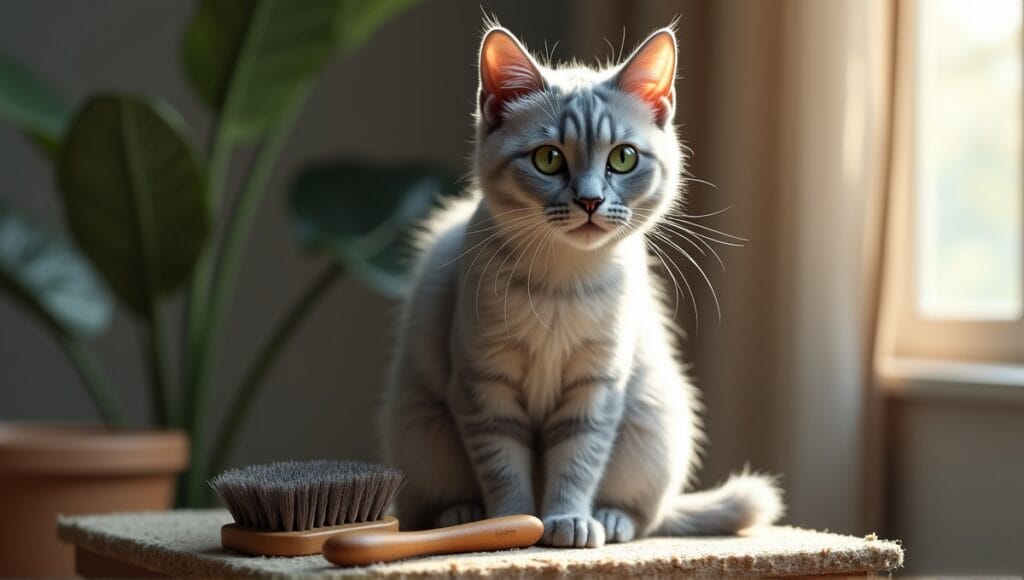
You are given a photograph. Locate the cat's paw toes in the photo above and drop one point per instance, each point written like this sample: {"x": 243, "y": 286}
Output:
{"x": 460, "y": 513}
{"x": 572, "y": 531}
{"x": 618, "y": 526}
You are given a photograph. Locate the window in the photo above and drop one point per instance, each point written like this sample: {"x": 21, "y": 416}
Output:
{"x": 968, "y": 159}
{"x": 955, "y": 271}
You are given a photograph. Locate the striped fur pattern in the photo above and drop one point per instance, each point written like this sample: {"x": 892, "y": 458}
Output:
{"x": 535, "y": 371}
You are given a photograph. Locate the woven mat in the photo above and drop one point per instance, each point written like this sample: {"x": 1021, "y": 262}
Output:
{"x": 187, "y": 543}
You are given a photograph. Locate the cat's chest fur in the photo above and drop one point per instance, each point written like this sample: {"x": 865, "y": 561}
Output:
{"x": 545, "y": 332}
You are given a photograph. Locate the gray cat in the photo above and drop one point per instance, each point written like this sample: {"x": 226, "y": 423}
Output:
{"x": 535, "y": 372}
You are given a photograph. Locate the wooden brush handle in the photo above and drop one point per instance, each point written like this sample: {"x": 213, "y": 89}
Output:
{"x": 361, "y": 548}
{"x": 302, "y": 543}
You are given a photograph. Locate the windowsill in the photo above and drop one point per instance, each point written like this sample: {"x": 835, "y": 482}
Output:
{"x": 957, "y": 380}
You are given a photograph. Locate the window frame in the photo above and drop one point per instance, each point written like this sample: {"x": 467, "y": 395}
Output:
{"x": 912, "y": 335}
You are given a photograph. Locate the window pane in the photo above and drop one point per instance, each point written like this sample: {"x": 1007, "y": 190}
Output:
{"x": 968, "y": 144}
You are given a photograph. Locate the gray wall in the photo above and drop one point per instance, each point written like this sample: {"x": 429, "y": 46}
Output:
{"x": 956, "y": 475}
{"x": 407, "y": 95}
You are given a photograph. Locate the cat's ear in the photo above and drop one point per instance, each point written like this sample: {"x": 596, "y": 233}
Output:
{"x": 507, "y": 72}
{"x": 650, "y": 74}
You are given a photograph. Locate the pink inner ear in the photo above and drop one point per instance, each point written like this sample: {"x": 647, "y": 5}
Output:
{"x": 650, "y": 73}
{"x": 506, "y": 72}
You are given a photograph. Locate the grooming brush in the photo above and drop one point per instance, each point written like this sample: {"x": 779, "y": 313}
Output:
{"x": 291, "y": 508}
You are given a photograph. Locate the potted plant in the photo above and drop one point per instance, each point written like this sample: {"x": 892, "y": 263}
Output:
{"x": 146, "y": 209}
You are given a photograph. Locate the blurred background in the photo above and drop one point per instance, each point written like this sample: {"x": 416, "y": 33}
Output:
{"x": 870, "y": 346}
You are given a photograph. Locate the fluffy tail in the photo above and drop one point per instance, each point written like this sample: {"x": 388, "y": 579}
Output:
{"x": 743, "y": 501}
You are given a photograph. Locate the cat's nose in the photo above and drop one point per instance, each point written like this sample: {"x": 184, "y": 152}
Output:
{"x": 589, "y": 204}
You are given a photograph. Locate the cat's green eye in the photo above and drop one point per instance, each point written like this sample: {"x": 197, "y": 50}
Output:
{"x": 548, "y": 160}
{"x": 623, "y": 159}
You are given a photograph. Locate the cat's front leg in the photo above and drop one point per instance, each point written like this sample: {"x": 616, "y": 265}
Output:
{"x": 498, "y": 439}
{"x": 577, "y": 442}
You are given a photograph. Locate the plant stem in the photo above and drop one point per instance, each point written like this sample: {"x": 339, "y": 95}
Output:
{"x": 220, "y": 156}
{"x": 95, "y": 379}
{"x": 221, "y": 147}
{"x": 239, "y": 226}
{"x": 264, "y": 361}
{"x": 88, "y": 367}
{"x": 164, "y": 411}
{"x": 199, "y": 290}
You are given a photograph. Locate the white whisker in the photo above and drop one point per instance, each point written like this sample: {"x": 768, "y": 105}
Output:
{"x": 475, "y": 246}
{"x": 682, "y": 228}
{"x": 706, "y": 215}
{"x": 528, "y": 235}
{"x": 698, "y": 242}
{"x": 701, "y": 181}
{"x": 711, "y": 287}
{"x": 665, "y": 264}
{"x": 529, "y": 281}
{"x": 483, "y": 274}
{"x": 510, "y": 221}
{"x": 711, "y": 230}
{"x": 515, "y": 266}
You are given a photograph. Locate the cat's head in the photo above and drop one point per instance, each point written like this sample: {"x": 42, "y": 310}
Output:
{"x": 591, "y": 154}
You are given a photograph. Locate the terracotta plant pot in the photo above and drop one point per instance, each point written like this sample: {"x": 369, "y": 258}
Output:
{"x": 47, "y": 470}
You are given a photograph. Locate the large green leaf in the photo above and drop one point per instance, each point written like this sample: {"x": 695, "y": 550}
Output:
{"x": 30, "y": 106}
{"x": 248, "y": 59}
{"x": 365, "y": 215}
{"x": 135, "y": 195}
{"x": 50, "y": 277}
{"x": 356, "y": 20}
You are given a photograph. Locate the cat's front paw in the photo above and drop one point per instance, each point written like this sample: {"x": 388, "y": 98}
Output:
{"x": 572, "y": 531}
{"x": 460, "y": 513}
{"x": 618, "y": 525}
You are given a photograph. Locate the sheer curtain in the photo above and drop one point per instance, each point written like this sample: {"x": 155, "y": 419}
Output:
{"x": 839, "y": 106}
{"x": 786, "y": 105}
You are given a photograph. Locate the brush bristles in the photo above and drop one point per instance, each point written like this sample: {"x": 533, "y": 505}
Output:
{"x": 301, "y": 495}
